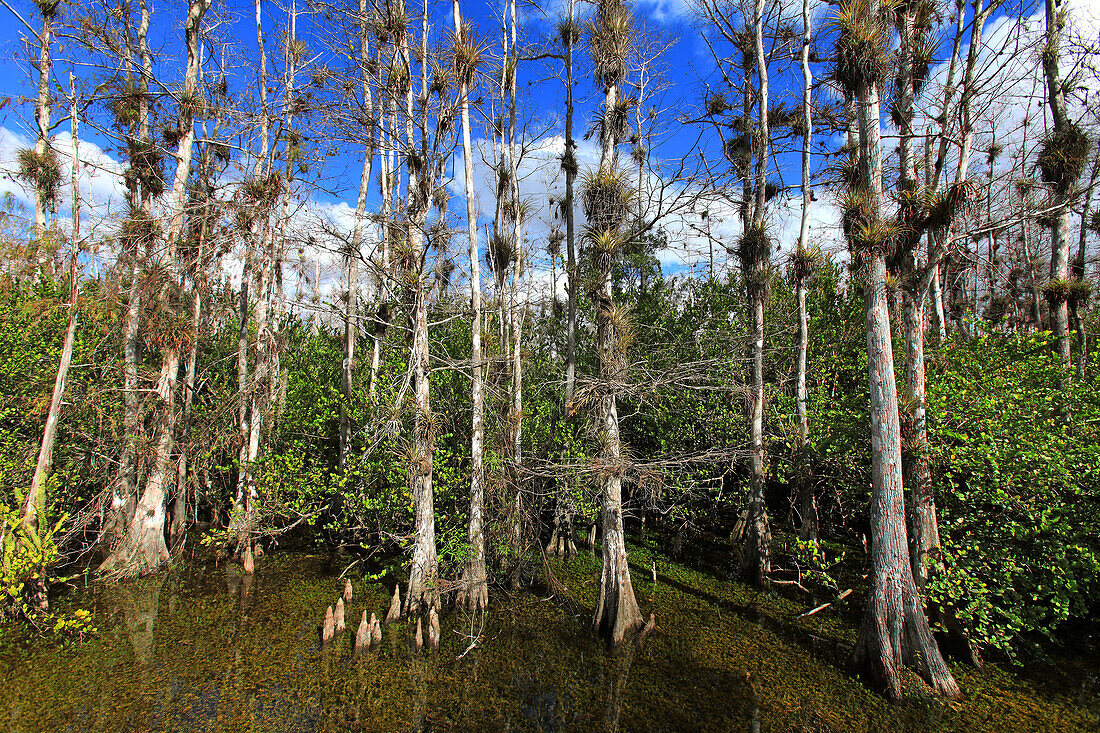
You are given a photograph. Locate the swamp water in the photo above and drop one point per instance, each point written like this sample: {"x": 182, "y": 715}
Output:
{"x": 207, "y": 649}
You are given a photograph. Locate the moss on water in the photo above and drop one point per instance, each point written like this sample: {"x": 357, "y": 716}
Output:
{"x": 206, "y": 649}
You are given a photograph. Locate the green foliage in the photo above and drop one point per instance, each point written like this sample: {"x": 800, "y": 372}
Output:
{"x": 25, "y": 562}
{"x": 815, "y": 564}
{"x": 1016, "y": 465}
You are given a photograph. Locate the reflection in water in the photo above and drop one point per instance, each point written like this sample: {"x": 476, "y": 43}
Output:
{"x": 139, "y": 602}
{"x": 210, "y": 649}
{"x": 620, "y": 677}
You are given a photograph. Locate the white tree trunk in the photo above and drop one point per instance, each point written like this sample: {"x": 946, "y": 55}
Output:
{"x": 474, "y": 594}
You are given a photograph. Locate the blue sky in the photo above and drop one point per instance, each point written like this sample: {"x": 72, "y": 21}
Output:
{"x": 688, "y": 62}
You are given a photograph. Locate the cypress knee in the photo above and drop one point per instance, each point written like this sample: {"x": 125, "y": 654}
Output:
{"x": 338, "y": 617}
{"x": 375, "y": 631}
{"x": 347, "y": 591}
{"x": 362, "y": 635}
{"x": 327, "y": 627}
{"x": 418, "y": 639}
{"x": 433, "y": 628}
{"x": 395, "y": 605}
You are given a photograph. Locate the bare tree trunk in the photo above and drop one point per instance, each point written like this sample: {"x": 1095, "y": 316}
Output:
{"x": 1059, "y": 230}
{"x": 474, "y": 594}
{"x": 34, "y": 504}
{"x": 569, "y": 163}
{"x": 203, "y": 221}
{"x": 352, "y": 257}
{"x": 42, "y": 110}
{"x": 256, "y": 275}
{"x": 916, "y": 472}
{"x": 807, "y": 505}
{"x": 124, "y": 500}
{"x": 515, "y": 317}
{"x": 179, "y": 512}
{"x": 617, "y": 613}
{"x": 382, "y": 317}
{"x": 757, "y": 562}
{"x": 1033, "y": 269}
{"x": 1079, "y": 268}
{"x": 351, "y": 264}
{"x": 143, "y": 550}
{"x": 895, "y": 629}
{"x": 423, "y": 593}
{"x": 935, "y": 296}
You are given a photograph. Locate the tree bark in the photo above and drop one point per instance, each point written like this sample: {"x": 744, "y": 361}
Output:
{"x": 569, "y": 162}
{"x": 617, "y": 613}
{"x": 1079, "y": 269}
{"x": 895, "y": 629}
{"x": 124, "y": 499}
{"x": 1059, "y": 231}
{"x": 757, "y": 562}
{"x": 143, "y": 549}
{"x": 42, "y": 111}
{"x": 423, "y": 590}
{"x": 351, "y": 259}
{"x": 807, "y": 505}
{"x": 474, "y": 594}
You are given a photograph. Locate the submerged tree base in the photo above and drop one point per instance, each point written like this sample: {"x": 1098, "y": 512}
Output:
{"x": 209, "y": 648}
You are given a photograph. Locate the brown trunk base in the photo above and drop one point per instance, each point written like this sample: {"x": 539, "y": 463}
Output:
{"x": 141, "y": 552}
{"x": 895, "y": 633}
{"x": 474, "y": 592}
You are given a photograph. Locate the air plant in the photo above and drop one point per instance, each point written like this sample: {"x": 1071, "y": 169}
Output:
{"x": 500, "y": 253}
{"x": 262, "y": 193}
{"x": 126, "y": 105}
{"x": 1074, "y": 292}
{"x": 603, "y": 246}
{"x": 716, "y": 104}
{"x": 1062, "y": 158}
{"x": 922, "y": 58}
{"x": 738, "y": 151}
{"x": 569, "y": 33}
{"x": 42, "y": 171}
{"x": 862, "y": 52}
{"x": 617, "y": 118}
{"x": 441, "y": 80}
{"x": 754, "y": 249}
{"x": 805, "y": 260}
{"x": 623, "y": 330}
{"x": 466, "y": 54}
{"x": 607, "y": 199}
{"x": 138, "y": 230}
{"x": 146, "y": 168}
{"x": 48, "y": 8}
{"x": 569, "y": 162}
{"x": 609, "y": 41}
{"x": 945, "y": 206}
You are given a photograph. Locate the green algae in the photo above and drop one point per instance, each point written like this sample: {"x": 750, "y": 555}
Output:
{"x": 207, "y": 649}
